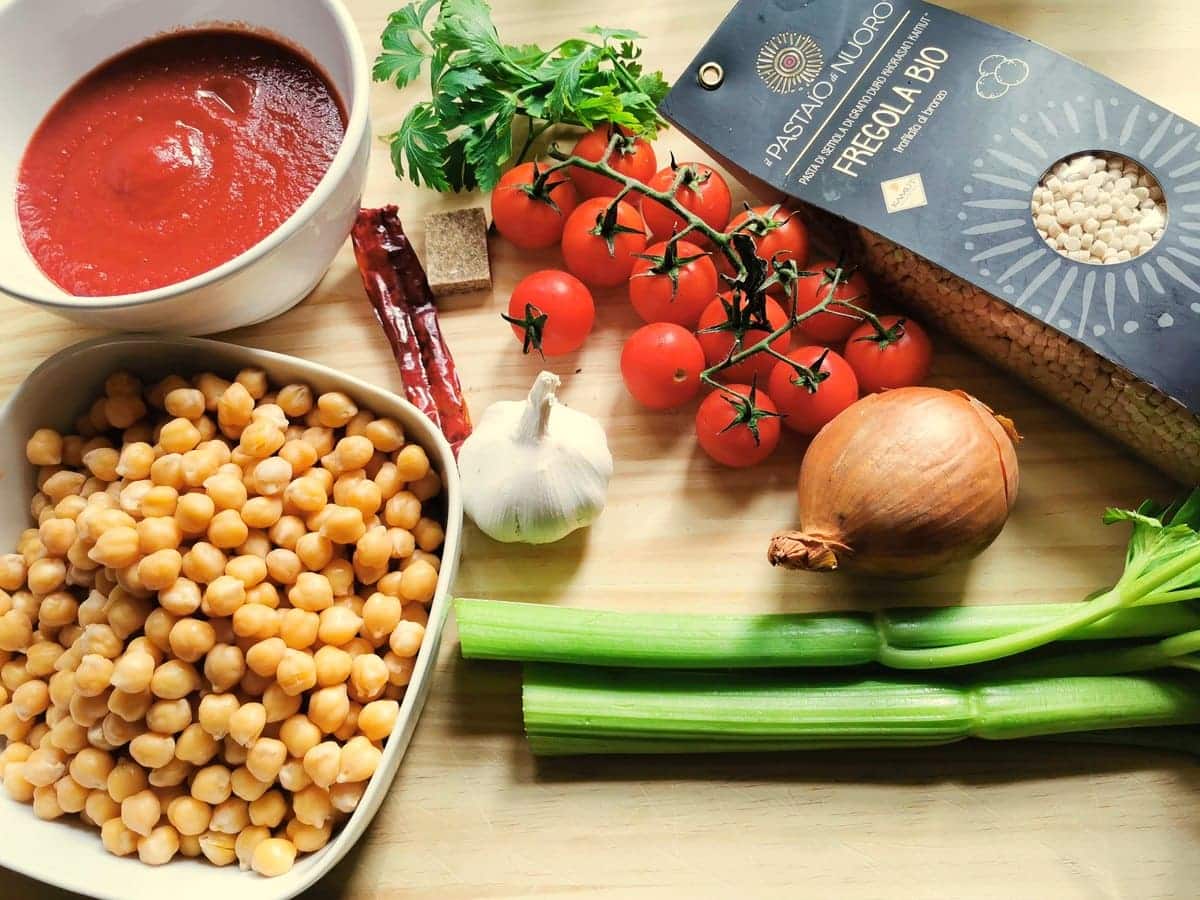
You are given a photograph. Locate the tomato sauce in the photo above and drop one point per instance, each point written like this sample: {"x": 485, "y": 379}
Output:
{"x": 173, "y": 158}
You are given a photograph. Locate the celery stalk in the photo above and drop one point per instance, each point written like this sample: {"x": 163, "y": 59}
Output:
{"x": 528, "y": 632}
{"x": 569, "y": 707}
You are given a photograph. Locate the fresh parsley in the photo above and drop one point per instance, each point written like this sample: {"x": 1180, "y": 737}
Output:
{"x": 462, "y": 138}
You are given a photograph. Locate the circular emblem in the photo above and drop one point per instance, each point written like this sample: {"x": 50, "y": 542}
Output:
{"x": 788, "y": 60}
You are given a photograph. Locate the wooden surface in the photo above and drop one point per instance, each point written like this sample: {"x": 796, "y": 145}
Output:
{"x": 473, "y": 815}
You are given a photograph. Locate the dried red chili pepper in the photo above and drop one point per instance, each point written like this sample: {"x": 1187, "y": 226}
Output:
{"x": 399, "y": 292}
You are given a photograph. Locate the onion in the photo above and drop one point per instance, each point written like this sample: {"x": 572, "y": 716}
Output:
{"x": 902, "y": 483}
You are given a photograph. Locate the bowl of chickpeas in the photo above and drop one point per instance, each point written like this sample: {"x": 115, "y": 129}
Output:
{"x": 224, "y": 574}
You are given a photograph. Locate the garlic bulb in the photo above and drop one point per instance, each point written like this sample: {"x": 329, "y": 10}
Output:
{"x": 534, "y": 471}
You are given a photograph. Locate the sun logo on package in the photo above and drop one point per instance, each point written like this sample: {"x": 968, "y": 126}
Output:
{"x": 789, "y": 60}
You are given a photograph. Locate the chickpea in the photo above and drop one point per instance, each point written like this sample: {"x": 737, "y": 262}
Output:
{"x": 177, "y": 436}
{"x": 234, "y": 408}
{"x": 261, "y": 438}
{"x": 174, "y": 679}
{"x": 269, "y": 809}
{"x": 249, "y": 570}
{"x": 12, "y": 571}
{"x": 403, "y": 510}
{"x": 262, "y": 512}
{"x": 124, "y": 410}
{"x": 344, "y": 525}
{"x": 132, "y": 706}
{"x": 247, "y": 722}
{"x": 419, "y": 582}
{"x": 91, "y": 767}
{"x": 283, "y": 566}
{"x": 311, "y": 592}
{"x": 126, "y": 613}
{"x": 191, "y": 638}
{"x": 45, "y": 765}
{"x": 374, "y": 548}
{"x": 41, "y": 657}
{"x": 307, "y": 493}
{"x": 68, "y": 735}
{"x": 338, "y": 624}
{"x": 264, "y": 657}
{"x": 218, "y": 849}
{"x": 245, "y": 785}
{"x": 159, "y": 846}
{"x": 265, "y": 757}
{"x": 16, "y": 631}
{"x": 328, "y": 707}
{"x": 195, "y": 745}
{"x": 278, "y": 703}
{"x": 295, "y": 400}
{"x": 400, "y": 668}
{"x": 184, "y": 403}
{"x": 14, "y": 674}
{"x": 315, "y": 551}
{"x": 189, "y": 845}
{"x": 160, "y": 569}
{"x": 298, "y": 628}
{"x": 223, "y": 596}
{"x": 167, "y": 471}
{"x": 406, "y": 638}
{"x": 368, "y": 677}
{"x": 70, "y": 794}
{"x": 265, "y": 594}
{"x": 272, "y": 476}
{"x": 61, "y": 485}
{"x": 227, "y": 491}
{"x": 57, "y": 535}
{"x": 188, "y": 815}
{"x": 132, "y": 672}
{"x": 377, "y": 719}
{"x": 116, "y": 547}
{"x": 308, "y": 838}
{"x": 181, "y": 598}
{"x": 273, "y": 856}
{"x": 16, "y": 784}
{"x": 333, "y": 665}
{"x": 226, "y": 529}
{"x": 93, "y": 675}
{"x": 381, "y": 614}
{"x": 45, "y": 803}
{"x": 171, "y": 775}
{"x": 117, "y": 838}
{"x": 159, "y": 502}
{"x": 212, "y": 784}
{"x": 125, "y": 779}
{"x": 31, "y": 699}
{"x": 215, "y": 712}
{"x": 44, "y": 447}
{"x": 300, "y": 455}
{"x": 255, "y": 620}
{"x": 257, "y": 544}
{"x": 224, "y": 666}
{"x": 230, "y": 816}
{"x": 152, "y": 750}
{"x": 346, "y": 795}
{"x": 335, "y": 409}
{"x": 193, "y": 513}
{"x": 385, "y": 435}
{"x": 169, "y": 717}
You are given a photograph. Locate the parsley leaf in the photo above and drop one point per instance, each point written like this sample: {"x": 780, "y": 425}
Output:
{"x": 463, "y": 137}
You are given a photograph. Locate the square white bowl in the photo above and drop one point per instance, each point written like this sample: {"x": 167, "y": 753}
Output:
{"x": 70, "y": 856}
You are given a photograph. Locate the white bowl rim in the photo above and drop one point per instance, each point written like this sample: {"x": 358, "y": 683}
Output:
{"x": 432, "y": 439}
{"x": 356, "y": 122}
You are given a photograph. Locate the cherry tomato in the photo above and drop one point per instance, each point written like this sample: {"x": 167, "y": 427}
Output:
{"x": 806, "y": 402}
{"x": 587, "y": 252}
{"x": 737, "y": 429}
{"x": 676, "y": 289}
{"x": 703, "y": 192}
{"x": 633, "y": 157}
{"x": 532, "y": 219}
{"x": 717, "y": 344}
{"x": 897, "y": 358}
{"x": 777, "y": 233}
{"x": 661, "y": 365}
{"x": 826, "y": 327}
{"x": 551, "y": 311}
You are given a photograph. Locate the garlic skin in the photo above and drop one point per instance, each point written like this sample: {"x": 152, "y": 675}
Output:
{"x": 533, "y": 471}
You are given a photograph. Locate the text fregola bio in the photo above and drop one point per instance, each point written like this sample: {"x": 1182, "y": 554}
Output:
{"x": 815, "y": 111}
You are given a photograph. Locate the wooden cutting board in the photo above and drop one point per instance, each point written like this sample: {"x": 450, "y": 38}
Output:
{"x": 473, "y": 815}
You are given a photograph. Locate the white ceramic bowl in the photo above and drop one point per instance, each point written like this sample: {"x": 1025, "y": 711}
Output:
{"x": 47, "y": 45}
{"x": 70, "y": 855}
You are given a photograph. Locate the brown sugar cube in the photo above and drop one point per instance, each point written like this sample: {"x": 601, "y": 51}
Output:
{"x": 456, "y": 252}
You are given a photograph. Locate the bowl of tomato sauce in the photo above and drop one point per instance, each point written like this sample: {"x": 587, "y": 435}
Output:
{"x": 183, "y": 166}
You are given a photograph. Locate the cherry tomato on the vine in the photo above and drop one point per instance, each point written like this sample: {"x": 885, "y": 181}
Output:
{"x": 552, "y": 312}
{"x": 633, "y": 157}
{"x": 600, "y": 245}
{"x": 777, "y": 231}
{"x": 661, "y": 365}
{"x": 737, "y": 426}
{"x": 828, "y": 327}
{"x": 899, "y": 356}
{"x": 702, "y": 192}
{"x": 810, "y": 398}
{"x": 531, "y": 214}
{"x": 675, "y": 286}
{"x": 717, "y": 344}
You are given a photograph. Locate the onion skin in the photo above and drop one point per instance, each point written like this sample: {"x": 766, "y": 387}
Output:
{"x": 902, "y": 484}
